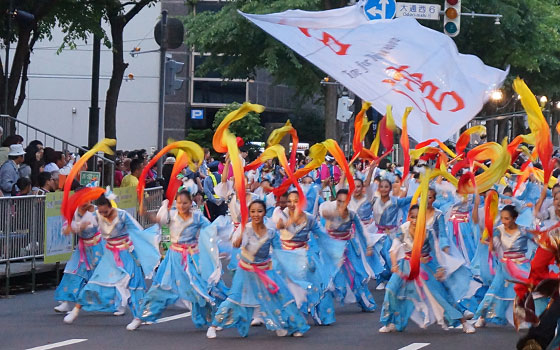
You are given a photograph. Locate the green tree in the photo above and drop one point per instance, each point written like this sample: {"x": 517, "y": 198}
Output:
{"x": 308, "y": 122}
{"x": 527, "y": 39}
{"x": 202, "y": 137}
{"x": 76, "y": 18}
{"x": 238, "y": 48}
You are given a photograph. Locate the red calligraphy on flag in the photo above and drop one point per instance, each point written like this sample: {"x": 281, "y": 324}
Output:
{"x": 422, "y": 93}
{"x": 329, "y": 41}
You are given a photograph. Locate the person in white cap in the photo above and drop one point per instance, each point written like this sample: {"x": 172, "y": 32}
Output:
{"x": 9, "y": 171}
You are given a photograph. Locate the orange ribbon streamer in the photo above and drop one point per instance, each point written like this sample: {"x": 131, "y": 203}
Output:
{"x": 334, "y": 149}
{"x": 102, "y": 146}
{"x": 405, "y": 144}
{"x": 278, "y": 134}
{"x": 194, "y": 151}
{"x": 361, "y": 127}
{"x": 224, "y": 141}
{"x": 420, "y": 231}
{"x": 278, "y": 151}
{"x": 501, "y": 159}
{"x": 538, "y": 125}
{"x": 181, "y": 163}
{"x": 490, "y": 213}
{"x": 80, "y": 197}
{"x": 465, "y": 137}
{"x": 317, "y": 153}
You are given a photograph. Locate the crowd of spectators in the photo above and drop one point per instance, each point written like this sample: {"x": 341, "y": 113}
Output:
{"x": 34, "y": 169}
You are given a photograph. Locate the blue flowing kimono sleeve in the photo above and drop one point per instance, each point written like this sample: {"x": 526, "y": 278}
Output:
{"x": 146, "y": 244}
{"x": 209, "y": 255}
{"x": 404, "y": 202}
{"x": 439, "y": 229}
{"x": 433, "y": 248}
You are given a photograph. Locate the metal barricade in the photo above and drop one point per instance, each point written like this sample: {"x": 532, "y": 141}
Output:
{"x": 152, "y": 202}
{"x": 22, "y": 228}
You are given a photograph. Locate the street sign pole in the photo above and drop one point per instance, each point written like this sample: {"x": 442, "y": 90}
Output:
{"x": 161, "y": 109}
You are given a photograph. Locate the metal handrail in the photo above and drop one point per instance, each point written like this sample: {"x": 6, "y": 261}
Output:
{"x": 50, "y": 135}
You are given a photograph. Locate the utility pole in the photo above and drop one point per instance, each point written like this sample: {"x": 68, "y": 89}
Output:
{"x": 331, "y": 101}
{"x": 93, "y": 135}
{"x": 161, "y": 109}
{"x": 7, "y": 58}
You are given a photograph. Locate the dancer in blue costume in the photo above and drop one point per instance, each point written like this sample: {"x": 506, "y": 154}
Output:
{"x": 510, "y": 243}
{"x": 344, "y": 226}
{"x": 130, "y": 255}
{"x": 312, "y": 194}
{"x": 191, "y": 268}
{"x": 462, "y": 230}
{"x": 386, "y": 216}
{"x": 84, "y": 260}
{"x": 257, "y": 286}
{"x": 228, "y": 225}
{"x": 424, "y": 299}
{"x": 298, "y": 235}
{"x": 362, "y": 204}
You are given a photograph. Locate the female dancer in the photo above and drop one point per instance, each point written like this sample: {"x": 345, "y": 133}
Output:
{"x": 349, "y": 248}
{"x": 424, "y": 298}
{"x": 190, "y": 269}
{"x": 131, "y": 255}
{"x": 386, "y": 210}
{"x": 462, "y": 228}
{"x": 256, "y": 286}
{"x": 298, "y": 232}
{"x": 79, "y": 268}
{"x": 510, "y": 243}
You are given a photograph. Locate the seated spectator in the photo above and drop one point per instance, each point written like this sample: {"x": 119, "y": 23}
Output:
{"x": 56, "y": 160}
{"x": 126, "y": 166}
{"x": 46, "y": 183}
{"x": 33, "y": 155}
{"x": 166, "y": 171}
{"x": 131, "y": 180}
{"x": 9, "y": 173}
{"x": 22, "y": 187}
{"x": 5, "y": 149}
{"x": 118, "y": 172}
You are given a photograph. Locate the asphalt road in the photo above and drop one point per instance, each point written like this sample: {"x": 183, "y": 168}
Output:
{"x": 27, "y": 321}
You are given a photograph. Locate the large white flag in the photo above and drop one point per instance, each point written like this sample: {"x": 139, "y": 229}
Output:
{"x": 391, "y": 62}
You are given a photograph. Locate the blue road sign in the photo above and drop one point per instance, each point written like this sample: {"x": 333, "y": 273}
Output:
{"x": 197, "y": 114}
{"x": 380, "y": 9}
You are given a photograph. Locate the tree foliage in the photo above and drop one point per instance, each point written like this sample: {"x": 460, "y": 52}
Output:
{"x": 75, "y": 18}
{"x": 527, "y": 39}
{"x": 239, "y": 48}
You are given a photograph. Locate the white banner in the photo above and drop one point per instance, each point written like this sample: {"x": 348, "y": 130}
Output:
{"x": 391, "y": 62}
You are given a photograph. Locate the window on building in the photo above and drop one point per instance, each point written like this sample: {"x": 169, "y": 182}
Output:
{"x": 219, "y": 92}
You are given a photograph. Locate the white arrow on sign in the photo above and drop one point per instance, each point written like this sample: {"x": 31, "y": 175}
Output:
{"x": 383, "y": 12}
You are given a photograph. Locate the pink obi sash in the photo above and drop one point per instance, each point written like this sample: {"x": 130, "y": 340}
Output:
{"x": 185, "y": 250}
{"x": 259, "y": 269}
{"x": 292, "y": 245}
{"x": 82, "y": 244}
{"x": 342, "y": 235}
{"x": 511, "y": 261}
{"x": 115, "y": 245}
{"x": 385, "y": 228}
{"x": 457, "y": 218}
